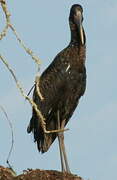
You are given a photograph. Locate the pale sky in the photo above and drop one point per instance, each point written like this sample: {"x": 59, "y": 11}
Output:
{"x": 91, "y": 141}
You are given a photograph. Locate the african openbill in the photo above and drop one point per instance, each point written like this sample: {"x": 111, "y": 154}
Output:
{"x": 61, "y": 84}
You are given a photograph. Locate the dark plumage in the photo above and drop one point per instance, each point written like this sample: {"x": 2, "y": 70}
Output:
{"x": 61, "y": 84}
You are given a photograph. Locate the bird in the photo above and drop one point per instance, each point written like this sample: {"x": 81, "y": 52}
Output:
{"x": 62, "y": 84}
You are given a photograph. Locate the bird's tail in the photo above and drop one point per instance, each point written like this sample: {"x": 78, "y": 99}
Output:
{"x": 42, "y": 139}
{"x": 30, "y": 126}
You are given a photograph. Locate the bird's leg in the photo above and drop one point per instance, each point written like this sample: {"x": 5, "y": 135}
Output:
{"x": 64, "y": 161}
{"x": 60, "y": 143}
{"x": 63, "y": 148}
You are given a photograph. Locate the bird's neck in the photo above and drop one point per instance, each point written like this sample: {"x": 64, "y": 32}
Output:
{"x": 75, "y": 40}
{"x": 75, "y": 36}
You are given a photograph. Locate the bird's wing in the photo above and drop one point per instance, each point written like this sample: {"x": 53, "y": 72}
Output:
{"x": 52, "y": 86}
{"x": 61, "y": 89}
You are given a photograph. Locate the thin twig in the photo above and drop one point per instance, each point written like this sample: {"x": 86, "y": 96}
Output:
{"x": 37, "y": 80}
{"x": 30, "y": 90}
{"x": 33, "y": 104}
{"x": 6, "y": 11}
{"x": 29, "y": 51}
{"x": 36, "y": 59}
{"x": 36, "y": 85}
{"x": 4, "y": 32}
{"x": 21, "y": 89}
{"x": 12, "y": 135}
{"x": 7, "y": 15}
{"x": 9, "y": 25}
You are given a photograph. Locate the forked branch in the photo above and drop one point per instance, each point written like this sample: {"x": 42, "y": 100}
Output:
{"x": 42, "y": 119}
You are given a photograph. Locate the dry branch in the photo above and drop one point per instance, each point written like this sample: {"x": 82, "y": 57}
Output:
{"x": 36, "y": 59}
{"x": 7, "y": 15}
{"x": 12, "y": 135}
{"x": 37, "y": 80}
{"x": 42, "y": 119}
{"x": 9, "y": 25}
{"x": 22, "y": 91}
{"x": 29, "y": 51}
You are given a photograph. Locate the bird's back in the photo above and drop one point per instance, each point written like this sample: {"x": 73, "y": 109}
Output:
{"x": 61, "y": 85}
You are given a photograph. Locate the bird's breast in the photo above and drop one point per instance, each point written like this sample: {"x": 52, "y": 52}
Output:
{"x": 73, "y": 57}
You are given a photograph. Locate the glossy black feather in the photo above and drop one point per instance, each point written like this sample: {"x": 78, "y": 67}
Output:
{"x": 61, "y": 84}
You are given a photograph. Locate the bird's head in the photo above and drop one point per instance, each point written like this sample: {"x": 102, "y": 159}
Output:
{"x": 76, "y": 19}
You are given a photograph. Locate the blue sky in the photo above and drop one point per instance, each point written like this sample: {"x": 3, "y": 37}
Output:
{"x": 91, "y": 140}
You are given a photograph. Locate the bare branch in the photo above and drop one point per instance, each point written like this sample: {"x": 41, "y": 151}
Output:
{"x": 36, "y": 59}
{"x": 22, "y": 92}
{"x": 12, "y": 135}
{"x": 37, "y": 79}
{"x": 29, "y": 51}
{"x": 9, "y": 25}
{"x": 5, "y": 9}
{"x": 30, "y": 90}
{"x": 42, "y": 119}
{"x": 7, "y": 15}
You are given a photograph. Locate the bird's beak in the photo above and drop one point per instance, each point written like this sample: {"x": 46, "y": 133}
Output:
{"x": 78, "y": 21}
